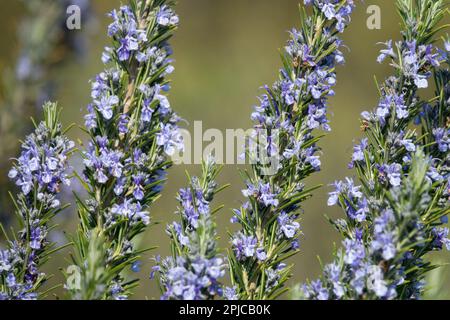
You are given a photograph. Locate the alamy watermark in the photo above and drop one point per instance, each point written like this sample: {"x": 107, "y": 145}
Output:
{"x": 373, "y": 22}
{"x": 230, "y": 146}
{"x": 73, "y": 21}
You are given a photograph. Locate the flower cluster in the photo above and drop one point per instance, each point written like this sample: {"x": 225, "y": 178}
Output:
{"x": 133, "y": 132}
{"x": 194, "y": 270}
{"x": 334, "y": 10}
{"x": 191, "y": 279}
{"x": 39, "y": 172}
{"x": 391, "y": 220}
{"x": 287, "y": 115}
{"x": 44, "y": 42}
{"x": 374, "y": 261}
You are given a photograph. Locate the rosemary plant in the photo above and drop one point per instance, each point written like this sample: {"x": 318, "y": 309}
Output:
{"x": 39, "y": 172}
{"x": 194, "y": 270}
{"x": 133, "y": 132}
{"x": 393, "y": 219}
{"x": 289, "y": 113}
{"x": 45, "y": 42}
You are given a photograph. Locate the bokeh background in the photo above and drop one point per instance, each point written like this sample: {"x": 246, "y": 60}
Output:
{"x": 225, "y": 50}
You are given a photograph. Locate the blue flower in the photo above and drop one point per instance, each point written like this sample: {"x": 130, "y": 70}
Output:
{"x": 132, "y": 211}
{"x": 262, "y": 193}
{"x": 261, "y": 255}
{"x": 288, "y": 225}
{"x": 319, "y": 291}
{"x": 392, "y": 172}
{"x": 244, "y": 246}
{"x": 166, "y": 17}
{"x": 384, "y": 239}
{"x": 441, "y": 136}
{"x": 354, "y": 251}
{"x": 170, "y": 139}
{"x": 441, "y": 238}
{"x": 123, "y": 124}
{"x": 376, "y": 282}
{"x": 230, "y": 293}
{"x": 106, "y": 104}
{"x": 333, "y": 272}
{"x": 136, "y": 266}
{"x": 358, "y": 150}
{"x": 388, "y": 52}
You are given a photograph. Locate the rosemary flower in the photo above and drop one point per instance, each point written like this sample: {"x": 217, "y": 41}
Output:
{"x": 288, "y": 114}
{"x": 194, "y": 270}
{"x": 44, "y": 43}
{"x": 393, "y": 219}
{"x": 133, "y": 132}
{"x": 39, "y": 173}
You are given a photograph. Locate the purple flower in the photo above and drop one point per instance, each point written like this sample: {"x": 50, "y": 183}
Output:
{"x": 329, "y": 10}
{"x": 409, "y": 145}
{"x": 166, "y": 17}
{"x": 123, "y": 124}
{"x": 358, "y": 150}
{"x": 36, "y": 237}
{"x": 230, "y": 293}
{"x": 359, "y": 211}
{"x": 127, "y": 45}
{"x": 333, "y": 272}
{"x": 441, "y": 136}
{"x": 182, "y": 238}
{"x": 288, "y": 92}
{"x": 90, "y": 118}
{"x": 313, "y": 159}
{"x": 288, "y": 226}
{"x": 354, "y": 251}
{"x": 319, "y": 291}
{"x": 375, "y": 281}
{"x": 138, "y": 181}
{"x": 244, "y": 246}
{"x": 388, "y": 52}
{"x": 394, "y": 174}
{"x": 170, "y": 139}
{"x": 317, "y": 117}
{"x": 132, "y": 211}
{"x": 344, "y": 188}
{"x": 391, "y": 173}
{"x": 106, "y": 104}
{"x": 262, "y": 193}
{"x": 441, "y": 238}
{"x": 261, "y": 255}
{"x": 147, "y": 112}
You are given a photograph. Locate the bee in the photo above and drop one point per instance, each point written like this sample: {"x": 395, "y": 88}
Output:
{"x": 384, "y": 265}
{"x": 364, "y": 125}
{"x": 296, "y": 62}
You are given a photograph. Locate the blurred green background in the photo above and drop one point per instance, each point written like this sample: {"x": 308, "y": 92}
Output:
{"x": 224, "y": 51}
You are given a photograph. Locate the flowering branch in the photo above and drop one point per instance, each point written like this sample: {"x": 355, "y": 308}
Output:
{"x": 289, "y": 112}
{"x": 39, "y": 172}
{"x": 45, "y": 42}
{"x": 393, "y": 219}
{"x": 133, "y": 132}
{"x": 194, "y": 269}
